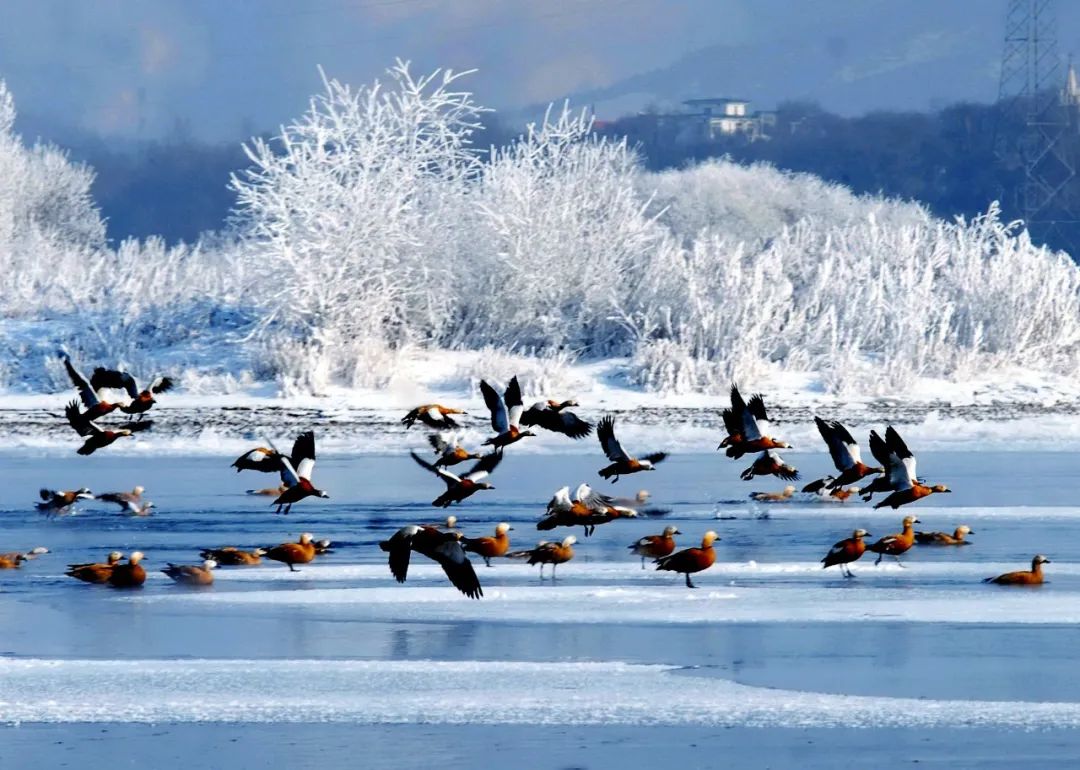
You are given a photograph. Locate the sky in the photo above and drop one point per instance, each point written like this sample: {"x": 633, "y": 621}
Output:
{"x": 222, "y": 70}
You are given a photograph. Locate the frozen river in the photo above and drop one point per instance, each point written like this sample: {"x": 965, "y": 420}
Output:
{"x": 771, "y": 662}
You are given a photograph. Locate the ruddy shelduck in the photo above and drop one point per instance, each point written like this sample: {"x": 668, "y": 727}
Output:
{"x": 755, "y": 434}
{"x": 291, "y": 554}
{"x": 450, "y": 452}
{"x": 944, "y": 538}
{"x": 459, "y": 488}
{"x": 691, "y": 560}
{"x": 846, "y": 551}
{"x": 555, "y": 417}
{"x": 588, "y": 509}
{"x": 434, "y": 416}
{"x": 506, "y": 411}
{"x": 622, "y": 464}
{"x": 896, "y": 544}
{"x": 490, "y": 547}
{"x": 773, "y": 497}
{"x": 845, "y": 453}
{"x": 192, "y": 575}
{"x": 442, "y": 547}
{"x": 130, "y": 575}
{"x": 231, "y": 556}
{"x": 655, "y": 546}
{"x": 95, "y": 572}
{"x": 548, "y": 553}
{"x": 1023, "y": 577}
{"x": 298, "y": 478}
{"x": 770, "y": 463}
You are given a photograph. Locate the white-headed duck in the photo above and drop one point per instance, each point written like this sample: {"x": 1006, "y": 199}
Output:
{"x": 1023, "y": 577}
{"x": 450, "y": 452}
{"x": 846, "y": 551}
{"x": 553, "y": 416}
{"x": 434, "y": 416}
{"x": 691, "y": 560}
{"x": 655, "y": 546}
{"x": 460, "y": 487}
{"x": 944, "y": 538}
{"x": 439, "y": 546}
{"x": 490, "y": 547}
{"x": 548, "y": 553}
{"x": 896, "y": 544}
{"x": 622, "y": 464}
{"x": 755, "y": 428}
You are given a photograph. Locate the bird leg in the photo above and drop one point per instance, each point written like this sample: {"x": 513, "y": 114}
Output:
{"x": 688, "y": 583}
{"x": 879, "y": 556}
{"x": 541, "y": 570}
{"x": 487, "y": 561}
{"x": 553, "y": 566}
{"x": 899, "y": 562}
{"x": 643, "y": 562}
{"x": 292, "y": 568}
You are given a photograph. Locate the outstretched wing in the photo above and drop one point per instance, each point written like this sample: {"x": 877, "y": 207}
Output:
{"x": 732, "y": 424}
{"x": 87, "y": 393}
{"x": 137, "y": 426}
{"x": 450, "y": 478}
{"x": 655, "y": 457}
{"x": 842, "y": 447}
{"x": 563, "y": 421}
{"x": 592, "y": 499}
{"x": 500, "y": 418}
{"x": 289, "y": 476}
{"x": 303, "y": 454}
{"x": 605, "y": 431}
{"x": 561, "y": 501}
{"x": 438, "y": 442}
{"x": 110, "y": 378}
{"x": 400, "y": 548}
{"x": 755, "y": 419}
{"x": 451, "y": 557}
{"x": 76, "y": 420}
{"x": 879, "y": 450}
{"x": 902, "y": 461}
{"x": 161, "y": 385}
{"x": 512, "y": 399}
{"x": 484, "y": 466}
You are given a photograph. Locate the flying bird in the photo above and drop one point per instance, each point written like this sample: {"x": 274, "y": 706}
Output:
{"x": 460, "y": 487}
{"x": 769, "y": 463}
{"x": 506, "y": 411}
{"x": 622, "y": 464}
{"x": 96, "y": 407}
{"x": 298, "y": 478}
{"x": 439, "y": 546}
{"x": 450, "y": 452}
{"x": 554, "y": 416}
{"x": 756, "y": 430}
{"x": 901, "y": 474}
{"x": 434, "y": 416}
{"x": 847, "y": 458}
{"x": 96, "y": 437}
{"x": 141, "y": 399}
{"x": 58, "y": 502}
{"x": 588, "y": 509}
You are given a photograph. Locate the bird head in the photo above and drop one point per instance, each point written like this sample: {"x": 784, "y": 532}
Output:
{"x": 568, "y": 541}
{"x": 860, "y": 533}
{"x": 136, "y": 557}
{"x": 709, "y": 538}
{"x": 909, "y": 520}
{"x": 670, "y": 530}
{"x": 209, "y": 564}
{"x": 940, "y": 488}
{"x": 1040, "y": 559}
{"x": 502, "y": 528}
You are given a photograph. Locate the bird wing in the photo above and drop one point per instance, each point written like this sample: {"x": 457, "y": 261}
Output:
{"x": 879, "y": 450}
{"x": 438, "y": 442}
{"x": 655, "y": 457}
{"x": 755, "y": 419}
{"x": 512, "y": 399}
{"x": 451, "y": 557}
{"x": 161, "y": 385}
{"x": 76, "y": 420}
{"x": 400, "y": 553}
{"x": 110, "y": 378}
{"x": 561, "y": 502}
{"x": 303, "y": 454}
{"x": 591, "y": 499}
{"x": 902, "y": 461}
{"x": 87, "y": 393}
{"x": 136, "y": 425}
{"x": 732, "y": 424}
{"x": 500, "y": 418}
{"x": 289, "y": 476}
{"x": 561, "y": 421}
{"x": 484, "y": 466}
{"x": 842, "y": 447}
{"x": 451, "y": 479}
{"x": 536, "y": 414}
{"x": 605, "y": 431}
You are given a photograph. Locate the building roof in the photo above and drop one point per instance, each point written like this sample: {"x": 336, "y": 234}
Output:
{"x": 717, "y": 100}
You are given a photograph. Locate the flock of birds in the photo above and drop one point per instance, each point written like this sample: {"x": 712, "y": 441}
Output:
{"x": 748, "y": 430}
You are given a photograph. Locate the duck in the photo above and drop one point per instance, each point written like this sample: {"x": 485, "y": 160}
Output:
{"x": 300, "y": 552}
{"x": 655, "y": 546}
{"x": 231, "y": 556}
{"x": 622, "y": 464}
{"x": 548, "y": 553}
{"x": 129, "y": 502}
{"x": 506, "y": 411}
{"x": 15, "y": 559}
{"x": 770, "y": 463}
{"x": 490, "y": 547}
{"x": 96, "y": 407}
{"x": 553, "y": 416}
{"x": 445, "y": 548}
{"x": 846, "y": 456}
{"x": 754, "y": 435}
{"x": 901, "y": 474}
{"x": 96, "y": 437}
{"x": 130, "y": 575}
{"x": 142, "y": 399}
{"x": 773, "y": 497}
{"x": 95, "y": 572}
{"x": 267, "y": 491}
{"x": 262, "y": 459}
{"x": 60, "y": 501}
{"x": 1023, "y": 577}
{"x": 825, "y": 493}
{"x": 691, "y": 560}
{"x": 588, "y": 509}
{"x": 192, "y": 575}
{"x": 298, "y": 478}
{"x": 846, "y": 551}
{"x": 449, "y": 451}
{"x": 733, "y": 427}
{"x": 434, "y": 416}
{"x": 459, "y": 488}
{"x": 944, "y": 538}
{"x": 895, "y": 544}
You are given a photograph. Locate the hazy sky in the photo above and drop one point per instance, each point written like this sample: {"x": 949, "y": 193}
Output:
{"x": 222, "y": 69}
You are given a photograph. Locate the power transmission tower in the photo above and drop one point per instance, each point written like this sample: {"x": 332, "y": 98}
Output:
{"x": 1034, "y": 135}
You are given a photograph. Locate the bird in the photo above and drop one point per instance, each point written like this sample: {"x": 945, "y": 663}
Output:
{"x": 773, "y": 497}
{"x": 588, "y": 509}
{"x": 300, "y": 552}
{"x": 96, "y": 407}
{"x": 192, "y": 575}
{"x": 267, "y": 491}
{"x": 895, "y": 544}
{"x": 755, "y": 427}
{"x": 141, "y": 399}
{"x": 95, "y": 572}
{"x": 129, "y": 502}
{"x": 449, "y": 523}
{"x": 449, "y": 451}
{"x": 130, "y": 575}
{"x": 262, "y": 459}
{"x": 691, "y": 560}
{"x": 554, "y": 416}
{"x": 1022, "y": 577}
{"x": 15, "y": 559}
{"x": 944, "y": 538}
{"x": 769, "y": 463}
{"x": 460, "y": 487}
{"x": 298, "y": 478}
{"x": 97, "y": 438}
{"x": 506, "y": 411}
{"x": 846, "y": 551}
{"x": 439, "y": 546}
{"x": 622, "y": 464}
{"x": 231, "y": 556}
{"x": 845, "y": 453}
{"x": 901, "y": 472}
{"x": 734, "y": 428}
{"x": 489, "y": 547}
{"x": 822, "y": 490}
{"x": 655, "y": 546}
{"x": 434, "y": 416}
{"x": 548, "y": 553}
{"x": 54, "y": 501}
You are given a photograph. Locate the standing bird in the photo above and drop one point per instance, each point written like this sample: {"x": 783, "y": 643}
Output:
{"x": 298, "y": 478}
{"x": 846, "y": 456}
{"x": 262, "y": 459}
{"x": 756, "y": 429}
{"x": 192, "y": 575}
{"x": 449, "y": 451}
{"x": 130, "y": 575}
{"x": 845, "y": 552}
{"x": 301, "y": 552}
{"x": 622, "y": 464}
{"x": 95, "y": 572}
{"x": 895, "y": 544}
{"x": 588, "y": 509}
{"x": 434, "y": 416}
{"x": 944, "y": 538}
{"x": 141, "y": 400}
{"x": 96, "y": 438}
{"x": 690, "y": 560}
{"x": 1023, "y": 577}
{"x": 506, "y": 411}
{"x": 489, "y": 547}
{"x": 548, "y": 553}
{"x": 655, "y": 546}
{"x": 231, "y": 556}
{"x": 553, "y": 416}
{"x": 460, "y": 487}
{"x": 442, "y": 547}
{"x": 769, "y": 463}
{"x": 95, "y": 406}
{"x": 59, "y": 502}
{"x": 901, "y": 473}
